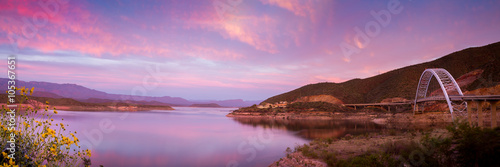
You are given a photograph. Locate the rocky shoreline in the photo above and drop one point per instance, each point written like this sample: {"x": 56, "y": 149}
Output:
{"x": 379, "y": 118}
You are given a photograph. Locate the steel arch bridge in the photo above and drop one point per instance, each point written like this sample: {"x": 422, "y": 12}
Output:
{"x": 448, "y": 85}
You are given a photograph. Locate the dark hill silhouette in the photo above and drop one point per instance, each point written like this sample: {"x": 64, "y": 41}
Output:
{"x": 403, "y": 82}
{"x": 205, "y": 105}
{"x": 81, "y": 93}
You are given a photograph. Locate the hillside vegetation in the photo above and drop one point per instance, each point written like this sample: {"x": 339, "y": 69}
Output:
{"x": 74, "y": 105}
{"x": 403, "y": 82}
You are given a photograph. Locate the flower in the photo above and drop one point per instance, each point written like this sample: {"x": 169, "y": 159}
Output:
{"x": 11, "y": 162}
{"x": 88, "y": 152}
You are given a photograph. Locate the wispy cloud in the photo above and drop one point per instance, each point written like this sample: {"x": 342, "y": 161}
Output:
{"x": 298, "y": 7}
{"x": 261, "y": 49}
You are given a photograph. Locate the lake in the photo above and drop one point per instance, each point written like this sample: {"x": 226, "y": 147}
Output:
{"x": 190, "y": 136}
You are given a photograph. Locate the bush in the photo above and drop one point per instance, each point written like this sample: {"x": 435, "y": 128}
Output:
{"x": 468, "y": 146}
{"x": 476, "y": 146}
{"x": 38, "y": 142}
{"x": 380, "y": 160}
{"x": 307, "y": 151}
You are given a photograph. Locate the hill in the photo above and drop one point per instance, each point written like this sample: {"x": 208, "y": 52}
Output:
{"x": 205, "y": 105}
{"x": 229, "y": 103}
{"x": 83, "y": 94}
{"x": 403, "y": 82}
{"x": 74, "y": 105}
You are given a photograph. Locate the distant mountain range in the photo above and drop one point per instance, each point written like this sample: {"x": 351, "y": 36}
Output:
{"x": 83, "y": 94}
{"x": 482, "y": 61}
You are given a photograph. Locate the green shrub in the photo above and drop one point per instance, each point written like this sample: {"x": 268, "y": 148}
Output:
{"x": 375, "y": 160}
{"x": 307, "y": 151}
{"x": 476, "y": 146}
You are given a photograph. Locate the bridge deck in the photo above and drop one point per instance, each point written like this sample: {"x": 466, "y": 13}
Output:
{"x": 463, "y": 98}
{"x": 379, "y": 104}
{"x": 435, "y": 98}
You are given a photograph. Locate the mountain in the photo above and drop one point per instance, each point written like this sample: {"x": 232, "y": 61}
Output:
{"x": 80, "y": 93}
{"x": 83, "y": 94}
{"x": 46, "y": 94}
{"x": 230, "y": 103}
{"x": 403, "y": 82}
{"x": 205, "y": 105}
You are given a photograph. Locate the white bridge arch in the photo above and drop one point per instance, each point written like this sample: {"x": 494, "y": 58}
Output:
{"x": 447, "y": 83}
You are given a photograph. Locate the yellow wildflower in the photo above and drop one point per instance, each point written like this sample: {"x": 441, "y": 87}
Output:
{"x": 88, "y": 152}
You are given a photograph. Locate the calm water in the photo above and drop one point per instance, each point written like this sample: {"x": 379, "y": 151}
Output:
{"x": 195, "y": 137}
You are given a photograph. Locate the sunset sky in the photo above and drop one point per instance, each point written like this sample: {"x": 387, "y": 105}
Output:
{"x": 236, "y": 49}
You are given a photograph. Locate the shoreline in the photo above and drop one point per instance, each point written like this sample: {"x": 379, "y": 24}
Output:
{"x": 121, "y": 108}
{"x": 376, "y": 117}
{"x": 350, "y": 147}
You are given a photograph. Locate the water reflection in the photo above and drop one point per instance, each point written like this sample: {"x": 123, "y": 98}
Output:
{"x": 183, "y": 137}
{"x": 312, "y": 129}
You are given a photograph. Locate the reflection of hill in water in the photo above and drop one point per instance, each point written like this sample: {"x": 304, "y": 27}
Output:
{"x": 311, "y": 129}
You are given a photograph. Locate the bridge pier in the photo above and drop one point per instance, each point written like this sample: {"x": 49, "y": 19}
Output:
{"x": 416, "y": 109}
{"x": 494, "y": 114}
{"x": 480, "y": 120}
{"x": 480, "y": 113}
{"x": 469, "y": 112}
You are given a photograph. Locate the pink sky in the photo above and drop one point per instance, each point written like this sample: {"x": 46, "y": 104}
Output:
{"x": 237, "y": 49}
